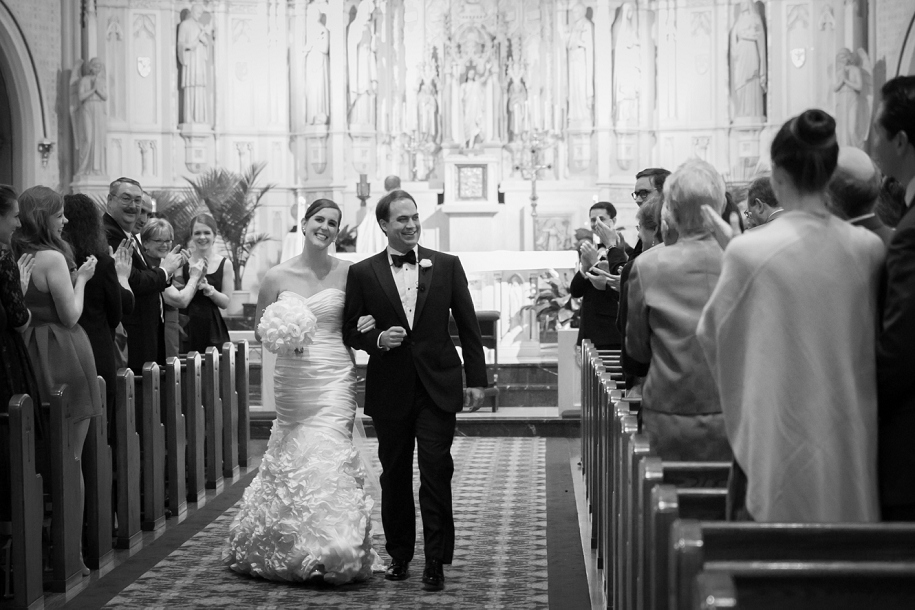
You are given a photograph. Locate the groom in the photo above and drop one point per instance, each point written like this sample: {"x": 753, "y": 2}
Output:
{"x": 413, "y": 382}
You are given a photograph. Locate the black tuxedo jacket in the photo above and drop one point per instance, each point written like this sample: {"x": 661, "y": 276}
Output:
{"x": 599, "y": 308}
{"x": 427, "y": 353}
{"x": 145, "y": 341}
{"x": 896, "y": 370}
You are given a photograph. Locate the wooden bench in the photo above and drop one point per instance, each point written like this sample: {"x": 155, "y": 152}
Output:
{"x": 836, "y": 585}
{"x": 694, "y": 545}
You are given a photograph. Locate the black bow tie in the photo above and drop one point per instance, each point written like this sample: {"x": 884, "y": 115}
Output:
{"x": 409, "y": 257}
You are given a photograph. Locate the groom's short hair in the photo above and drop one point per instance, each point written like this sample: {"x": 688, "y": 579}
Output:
{"x": 383, "y": 209}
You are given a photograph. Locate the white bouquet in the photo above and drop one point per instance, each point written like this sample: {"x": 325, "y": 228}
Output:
{"x": 286, "y": 327}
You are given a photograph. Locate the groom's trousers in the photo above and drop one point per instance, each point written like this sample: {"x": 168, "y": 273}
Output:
{"x": 432, "y": 431}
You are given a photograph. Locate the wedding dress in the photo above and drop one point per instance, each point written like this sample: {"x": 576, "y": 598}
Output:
{"x": 307, "y": 511}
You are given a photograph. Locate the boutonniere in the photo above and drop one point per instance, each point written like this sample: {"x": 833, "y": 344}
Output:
{"x": 425, "y": 263}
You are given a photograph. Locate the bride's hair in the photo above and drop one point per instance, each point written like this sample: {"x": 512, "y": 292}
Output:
{"x": 320, "y": 204}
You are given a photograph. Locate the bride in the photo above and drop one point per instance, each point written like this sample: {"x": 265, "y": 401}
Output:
{"x": 307, "y": 513}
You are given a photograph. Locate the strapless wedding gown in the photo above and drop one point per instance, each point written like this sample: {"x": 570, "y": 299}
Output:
{"x": 307, "y": 511}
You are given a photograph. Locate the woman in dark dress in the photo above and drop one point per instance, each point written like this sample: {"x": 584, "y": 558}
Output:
{"x": 58, "y": 347}
{"x": 108, "y": 295}
{"x": 599, "y": 298}
{"x": 205, "y": 325}
{"x": 16, "y": 374}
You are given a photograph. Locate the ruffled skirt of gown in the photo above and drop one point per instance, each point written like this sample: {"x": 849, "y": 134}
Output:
{"x": 306, "y": 512}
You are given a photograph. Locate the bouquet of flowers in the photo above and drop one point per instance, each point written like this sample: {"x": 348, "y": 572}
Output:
{"x": 286, "y": 327}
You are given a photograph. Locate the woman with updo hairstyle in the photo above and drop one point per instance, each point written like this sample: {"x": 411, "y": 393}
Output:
{"x": 205, "y": 326}
{"x": 58, "y": 347}
{"x": 789, "y": 334}
{"x": 108, "y": 295}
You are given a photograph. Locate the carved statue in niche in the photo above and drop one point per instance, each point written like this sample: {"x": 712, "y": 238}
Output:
{"x": 580, "y": 44}
{"x": 517, "y": 100}
{"x": 853, "y": 93}
{"x": 427, "y": 104}
{"x": 363, "y": 80}
{"x": 88, "y": 112}
{"x": 473, "y": 97}
{"x": 627, "y": 67}
{"x": 194, "y": 40}
{"x": 317, "y": 66}
{"x": 748, "y": 62}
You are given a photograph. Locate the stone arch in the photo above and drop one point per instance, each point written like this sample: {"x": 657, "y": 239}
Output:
{"x": 28, "y": 119}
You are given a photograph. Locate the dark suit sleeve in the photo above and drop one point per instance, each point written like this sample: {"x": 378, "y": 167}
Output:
{"x": 616, "y": 258}
{"x": 353, "y": 309}
{"x": 146, "y": 281}
{"x": 578, "y": 285}
{"x": 895, "y": 362}
{"x": 127, "y": 300}
{"x": 468, "y": 329}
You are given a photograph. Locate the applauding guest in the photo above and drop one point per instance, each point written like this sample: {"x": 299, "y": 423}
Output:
{"x": 158, "y": 236}
{"x": 58, "y": 347}
{"x": 597, "y": 280}
{"x": 108, "y": 295}
{"x": 205, "y": 324}
{"x": 792, "y": 348}
{"x": 668, "y": 287}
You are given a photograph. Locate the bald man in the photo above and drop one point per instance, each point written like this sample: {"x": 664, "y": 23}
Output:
{"x": 854, "y": 190}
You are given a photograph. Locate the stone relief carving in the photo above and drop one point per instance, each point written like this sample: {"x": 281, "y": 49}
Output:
{"x": 518, "y": 105}
{"x": 427, "y": 103}
{"x": 627, "y": 69}
{"x": 580, "y": 44}
{"x": 363, "y": 80}
{"x": 194, "y": 40}
{"x": 474, "y": 62}
{"x": 748, "y": 63}
{"x": 854, "y": 86}
{"x": 88, "y": 112}
{"x": 317, "y": 66}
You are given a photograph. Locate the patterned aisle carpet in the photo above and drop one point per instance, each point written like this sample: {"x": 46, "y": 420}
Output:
{"x": 500, "y": 556}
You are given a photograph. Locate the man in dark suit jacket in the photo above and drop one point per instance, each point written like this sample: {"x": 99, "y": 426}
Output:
{"x": 144, "y": 326}
{"x": 413, "y": 382}
{"x": 894, "y": 152}
{"x": 853, "y": 192}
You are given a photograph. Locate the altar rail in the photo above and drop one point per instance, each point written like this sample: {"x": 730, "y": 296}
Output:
{"x": 183, "y": 429}
{"x": 662, "y": 543}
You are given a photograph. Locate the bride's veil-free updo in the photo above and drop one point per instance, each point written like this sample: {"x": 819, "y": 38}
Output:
{"x": 806, "y": 148}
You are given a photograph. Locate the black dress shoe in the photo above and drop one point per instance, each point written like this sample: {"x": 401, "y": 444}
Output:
{"x": 433, "y": 575}
{"x": 398, "y": 570}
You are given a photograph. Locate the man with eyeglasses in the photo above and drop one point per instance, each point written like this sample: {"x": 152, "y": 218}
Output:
{"x": 647, "y": 182}
{"x": 144, "y": 325}
{"x": 762, "y": 206}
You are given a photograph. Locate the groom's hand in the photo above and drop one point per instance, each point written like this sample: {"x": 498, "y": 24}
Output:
{"x": 473, "y": 399}
{"x": 392, "y": 337}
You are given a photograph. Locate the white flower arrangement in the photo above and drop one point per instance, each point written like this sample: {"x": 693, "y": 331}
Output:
{"x": 286, "y": 327}
{"x": 425, "y": 263}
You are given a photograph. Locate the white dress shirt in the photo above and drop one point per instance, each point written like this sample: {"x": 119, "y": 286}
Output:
{"x": 406, "y": 279}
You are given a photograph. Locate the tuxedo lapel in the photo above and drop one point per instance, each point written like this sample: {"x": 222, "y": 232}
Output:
{"x": 425, "y": 282}
{"x": 382, "y": 270}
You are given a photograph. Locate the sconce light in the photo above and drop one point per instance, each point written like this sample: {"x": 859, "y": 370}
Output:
{"x": 45, "y": 146}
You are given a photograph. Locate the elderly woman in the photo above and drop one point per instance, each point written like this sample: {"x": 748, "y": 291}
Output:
{"x": 157, "y": 237}
{"x": 668, "y": 287}
{"x": 789, "y": 333}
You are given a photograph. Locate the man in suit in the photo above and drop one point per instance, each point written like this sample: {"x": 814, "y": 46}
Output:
{"x": 853, "y": 192}
{"x": 649, "y": 180}
{"x": 894, "y": 152}
{"x": 144, "y": 326}
{"x": 413, "y": 381}
{"x": 762, "y": 206}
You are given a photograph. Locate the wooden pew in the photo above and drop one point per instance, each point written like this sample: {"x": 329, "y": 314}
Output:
{"x": 97, "y": 471}
{"x": 175, "y": 438}
{"x": 635, "y": 448}
{"x": 153, "y": 451}
{"x": 652, "y": 471}
{"x": 837, "y": 585}
{"x": 696, "y": 544}
{"x": 27, "y": 504}
{"x": 229, "y": 399}
{"x": 242, "y": 388}
{"x": 669, "y": 503}
{"x": 192, "y": 384}
{"x": 212, "y": 407}
{"x": 626, "y": 425}
{"x": 128, "y": 465}
{"x": 66, "y": 527}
